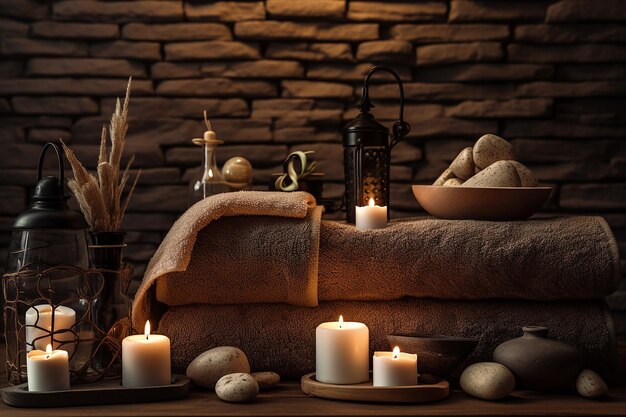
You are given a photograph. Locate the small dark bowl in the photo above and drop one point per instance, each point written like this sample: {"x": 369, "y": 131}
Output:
{"x": 436, "y": 355}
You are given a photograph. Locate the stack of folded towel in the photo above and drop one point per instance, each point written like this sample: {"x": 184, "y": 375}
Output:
{"x": 261, "y": 270}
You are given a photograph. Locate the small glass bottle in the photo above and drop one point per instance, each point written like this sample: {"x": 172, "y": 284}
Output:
{"x": 212, "y": 182}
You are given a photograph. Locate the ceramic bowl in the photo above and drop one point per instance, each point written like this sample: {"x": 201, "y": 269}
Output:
{"x": 437, "y": 355}
{"x": 481, "y": 203}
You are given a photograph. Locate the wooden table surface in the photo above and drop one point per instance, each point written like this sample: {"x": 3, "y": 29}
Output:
{"x": 289, "y": 400}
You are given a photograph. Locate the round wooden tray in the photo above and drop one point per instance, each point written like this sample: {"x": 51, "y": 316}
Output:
{"x": 434, "y": 389}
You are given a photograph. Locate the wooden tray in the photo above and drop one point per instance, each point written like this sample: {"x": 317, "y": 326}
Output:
{"x": 102, "y": 392}
{"x": 434, "y": 389}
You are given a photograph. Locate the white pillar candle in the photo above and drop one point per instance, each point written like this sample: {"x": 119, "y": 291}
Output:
{"x": 371, "y": 216}
{"x": 394, "y": 369}
{"x": 146, "y": 360}
{"x": 342, "y": 352}
{"x": 39, "y": 328}
{"x": 48, "y": 371}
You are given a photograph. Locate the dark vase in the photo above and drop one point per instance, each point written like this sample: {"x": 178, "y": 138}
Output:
{"x": 539, "y": 363}
{"x": 106, "y": 249}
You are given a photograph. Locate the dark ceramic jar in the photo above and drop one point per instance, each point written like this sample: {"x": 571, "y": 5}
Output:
{"x": 539, "y": 363}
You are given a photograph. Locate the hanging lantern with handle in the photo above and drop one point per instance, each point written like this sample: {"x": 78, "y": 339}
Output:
{"x": 367, "y": 152}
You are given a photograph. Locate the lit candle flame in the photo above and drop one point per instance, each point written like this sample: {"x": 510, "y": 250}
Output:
{"x": 146, "y": 329}
{"x": 210, "y": 173}
{"x": 396, "y": 353}
{"x": 340, "y": 321}
{"x": 372, "y": 203}
{"x": 48, "y": 350}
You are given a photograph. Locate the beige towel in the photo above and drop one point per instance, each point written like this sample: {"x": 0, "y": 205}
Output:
{"x": 281, "y": 338}
{"x": 538, "y": 259}
{"x": 235, "y": 265}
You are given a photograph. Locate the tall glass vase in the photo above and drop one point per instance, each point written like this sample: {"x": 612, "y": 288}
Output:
{"x": 212, "y": 182}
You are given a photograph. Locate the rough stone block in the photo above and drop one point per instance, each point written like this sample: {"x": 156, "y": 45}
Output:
{"x": 157, "y": 107}
{"x": 5, "y": 106}
{"x": 210, "y": 50}
{"x": 54, "y": 105}
{"x": 316, "y": 89}
{"x": 265, "y": 68}
{"x": 590, "y": 72}
{"x": 571, "y": 89}
{"x": 570, "y": 33}
{"x": 310, "y": 51}
{"x": 23, "y": 9}
{"x": 172, "y": 70}
{"x": 351, "y": 72}
{"x": 444, "y": 91}
{"x": 330, "y": 9}
{"x": 447, "y": 127}
{"x": 85, "y": 66}
{"x": 560, "y": 151}
{"x": 161, "y": 222}
{"x": 68, "y": 30}
{"x": 309, "y": 118}
{"x": 147, "y": 155}
{"x": 48, "y": 134}
{"x": 461, "y": 52}
{"x": 20, "y": 155}
{"x": 73, "y": 86}
{"x": 558, "y": 129}
{"x": 485, "y": 72}
{"x": 150, "y": 51}
{"x": 226, "y": 11}
{"x": 216, "y": 87}
{"x": 314, "y": 31}
{"x": 37, "y": 47}
{"x": 496, "y": 11}
{"x": 12, "y": 199}
{"x": 164, "y": 198}
{"x": 423, "y": 11}
{"x": 388, "y": 50}
{"x": 13, "y": 28}
{"x": 280, "y": 107}
{"x": 583, "y": 53}
{"x": 11, "y": 134}
{"x": 176, "y": 31}
{"x": 119, "y": 11}
{"x": 518, "y": 108}
{"x": 258, "y": 155}
{"x": 593, "y": 196}
{"x": 23, "y": 177}
{"x": 11, "y": 69}
{"x": 586, "y": 11}
{"x": 435, "y": 33}
{"x": 405, "y": 152}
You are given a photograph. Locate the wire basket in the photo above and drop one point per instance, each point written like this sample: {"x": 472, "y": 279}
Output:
{"x": 83, "y": 311}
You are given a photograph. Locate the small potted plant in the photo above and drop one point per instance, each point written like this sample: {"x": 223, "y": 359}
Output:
{"x": 299, "y": 175}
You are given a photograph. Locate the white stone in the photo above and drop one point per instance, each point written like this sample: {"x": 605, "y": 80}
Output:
{"x": 453, "y": 182}
{"x": 591, "y": 385}
{"x": 463, "y": 165}
{"x": 487, "y": 380}
{"x": 237, "y": 388}
{"x": 445, "y": 176}
{"x": 525, "y": 174}
{"x": 498, "y": 174}
{"x": 210, "y": 366}
{"x": 266, "y": 380}
{"x": 491, "y": 148}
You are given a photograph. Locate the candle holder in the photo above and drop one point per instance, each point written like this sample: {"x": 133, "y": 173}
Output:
{"x": 62, "y": 306}
{"x": 367, "y": 152}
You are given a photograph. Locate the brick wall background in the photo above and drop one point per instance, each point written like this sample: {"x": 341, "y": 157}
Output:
{"x": 280, "y": 75}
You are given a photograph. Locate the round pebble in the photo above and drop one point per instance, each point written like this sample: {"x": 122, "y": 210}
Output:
{"x": 453, "y": 182}
{"x": 591, "y": 385}
{"x": 237, "y": 170}
{"x": 498, "y": 174}
{"x": 266, "y": 380}
{"x": 445, "y": 175}
{"x": 210, "y": 366}
{"x": 487, "y": 380}
{"x": 237, "y": 388}
{"x": 463, "y": 165}
{"x": 491, "y": 148}
{"x": 526, "y": 176}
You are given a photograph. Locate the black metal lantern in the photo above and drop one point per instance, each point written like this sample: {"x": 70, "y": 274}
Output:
{"x": 367, "y": 152}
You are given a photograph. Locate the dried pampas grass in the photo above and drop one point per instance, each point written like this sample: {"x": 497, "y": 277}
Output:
{"x": 100, "y": 199}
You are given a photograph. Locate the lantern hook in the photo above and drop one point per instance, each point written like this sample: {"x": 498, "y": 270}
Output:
{"x": 400, "y": 128}
{"x": 42, "y": 155}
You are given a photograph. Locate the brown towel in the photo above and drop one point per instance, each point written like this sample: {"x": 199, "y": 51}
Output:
{"x": 281, "y": 338}
{"x": 271, "y": 260}
{"x": 537, "y": 259}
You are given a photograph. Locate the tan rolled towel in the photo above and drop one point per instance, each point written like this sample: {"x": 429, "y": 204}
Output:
{"x": 272, "y": 259}
{"x": 281, "y": 338}
{"x": 538, "y": 259}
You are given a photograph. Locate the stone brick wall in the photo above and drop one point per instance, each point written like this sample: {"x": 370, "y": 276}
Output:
{"x": 279, "y": 75}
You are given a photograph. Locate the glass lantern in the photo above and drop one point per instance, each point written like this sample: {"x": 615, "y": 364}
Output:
{"x": 367, "y": 152}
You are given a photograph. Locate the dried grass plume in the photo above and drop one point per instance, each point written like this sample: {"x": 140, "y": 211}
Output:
{"x": 100, "y": 199}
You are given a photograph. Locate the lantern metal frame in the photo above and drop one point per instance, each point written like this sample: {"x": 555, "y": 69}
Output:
{"x": 370, "y": 153}
{"x": 104, "y": 345}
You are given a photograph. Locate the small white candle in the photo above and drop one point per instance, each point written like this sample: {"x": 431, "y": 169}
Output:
{"x": 394, "y": 369}
{"x": 371, "y": 216}
{"x": 39, "y": 328}
{"x": 146, "y": 360}
{"x": 342, "y": 352}
{"x": 48, "y": 371}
